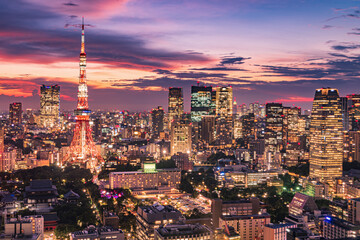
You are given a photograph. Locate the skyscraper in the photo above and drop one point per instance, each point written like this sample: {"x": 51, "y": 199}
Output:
{"x": 224, "y": 115}
{"x": 82, "y": 149}
{"x": 157, "y": 116}
{"x": 49, "y": 106}
{"x": 248, "y": 128}
{"x": 242, "y": 110}
{"x": 353, "y": 113}
{"x": 326, "y": 137}
{"x": 201, "y": 102}
{"x": 15, "y": 112}
{"x": 180, "y": 137}
{"x": 291, "y": 135}
{"x": 176, "y": 103}
{"x": 344, "y": 101}
{"x": 273, "y": 134}
{"x": 207, "y": 129}
{"x": 224, "y": 102}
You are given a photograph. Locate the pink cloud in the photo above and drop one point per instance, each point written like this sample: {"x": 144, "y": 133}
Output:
{"x": 294, "y": 99}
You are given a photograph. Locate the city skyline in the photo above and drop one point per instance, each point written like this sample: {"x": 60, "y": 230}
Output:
{"x": 267, "y": 51}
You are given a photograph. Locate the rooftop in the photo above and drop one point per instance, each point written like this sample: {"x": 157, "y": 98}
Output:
{"x": 180, "y": 230}
{"x": 157, "y": 208}
{"x": 341, "y": 223}
{"x": 236, "y": 217}
{"x": 41, "y": 184}
{"x": 281, "y": 225}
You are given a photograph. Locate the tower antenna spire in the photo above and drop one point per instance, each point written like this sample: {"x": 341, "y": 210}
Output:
{"x": 82, "y": 36}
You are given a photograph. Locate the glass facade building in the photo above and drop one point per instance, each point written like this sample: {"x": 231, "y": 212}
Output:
{"x": 201, "y": 102}
{"x": 176, "y": 103}
{"x": 49, "y": 106}
{"x": 326, "y": 135}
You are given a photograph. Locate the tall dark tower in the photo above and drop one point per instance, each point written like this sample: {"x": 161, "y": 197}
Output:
{"x": 82, "y": 150}
{"x": 157, "y": 116}
{"x": 273, "y": 134}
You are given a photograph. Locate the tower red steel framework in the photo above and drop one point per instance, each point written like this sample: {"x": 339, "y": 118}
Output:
{"x": 82, "y": 149}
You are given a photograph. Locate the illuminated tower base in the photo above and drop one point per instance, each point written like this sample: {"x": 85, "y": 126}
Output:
{"x": 83, "y": 151}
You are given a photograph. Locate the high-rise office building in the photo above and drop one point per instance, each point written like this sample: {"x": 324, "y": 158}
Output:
{"x": 224, "y": 102}
{"x": 201, "y": 102}
{"x": 353, "y": 113}
{"x": 208, "y": 129}
{"x": 180, "y": 137}
{"x": 49, "y": 106}
{"x": 291, "y": 135}
{"x": 273, "y": 134}
{"x": 344, "y": 101}
{"x": 352, "y": 146}
{"x": 15, "y": 113}
{"x": 157, "y": 117}
{"x": 224, "y": 115}
{"x": 237, "y": 128}
{"x": 97, "y": 128}
{"x": 326, "y": 136}
{"x": 242, "y": 110}
{"x": 248, "y": 127}
{"x": 176, "y": 103}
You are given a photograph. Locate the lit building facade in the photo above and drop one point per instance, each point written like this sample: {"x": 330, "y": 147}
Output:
{"x": 180, "y": 137}
{"x": 157, "y": 117}
{"x": 31, "y": 227}
{"x": 201, "y": 102}
{"x": 49, "y": 106}
{"x": 353, "y": 112}
{"x": 147, "y": 179}
{"x": 208, "y": 129}
{"x": 273, "y": 134}
{"x": 335, "y": 228}
{"x": 224, "y": 115}
{"x": 249, "y": 227}
{"x": 326, "y": 136}
{"x": 224, "y": 102}
{"x": 149, "y": 218}
{"x": 176, "y": 103}
{"x": 277, "y": 231}
{"x": 291, "y": 135}
{"x": 352, "y": 146}
{"x": 15, "y": 113}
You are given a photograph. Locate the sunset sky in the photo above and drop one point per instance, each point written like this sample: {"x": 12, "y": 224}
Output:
{"x": 268, "y": 50}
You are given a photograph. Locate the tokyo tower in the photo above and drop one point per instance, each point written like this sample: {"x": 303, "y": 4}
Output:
{"x": 82, "y": 149}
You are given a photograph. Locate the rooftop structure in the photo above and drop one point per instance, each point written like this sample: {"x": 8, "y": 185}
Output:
{"x": 190, "y": 231}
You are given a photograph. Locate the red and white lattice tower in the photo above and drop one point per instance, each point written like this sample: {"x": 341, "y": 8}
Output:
{"x": 82, "y": 149}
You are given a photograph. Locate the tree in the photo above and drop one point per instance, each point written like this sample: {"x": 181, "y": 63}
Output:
{"x": 186, "y": 186}
{"x": 25, "y": 212}
{"x": 166, "y": 164}
{"x": 62, "y": 230}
